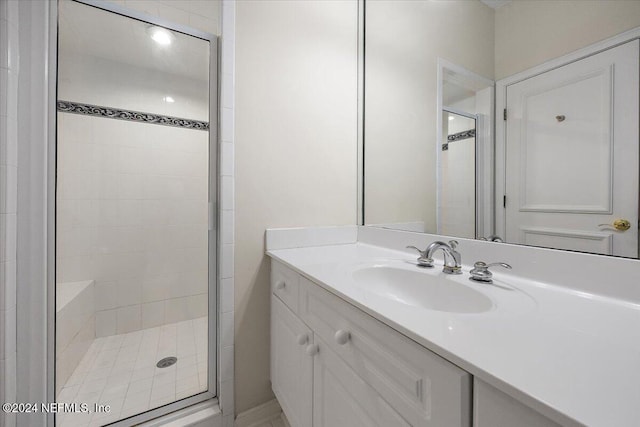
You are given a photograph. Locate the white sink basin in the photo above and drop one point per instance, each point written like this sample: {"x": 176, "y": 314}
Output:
{"x": 418, "y": 289}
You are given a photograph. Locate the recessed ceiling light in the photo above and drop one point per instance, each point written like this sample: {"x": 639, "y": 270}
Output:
{"x": 168, "y": 99}
{"x": 160, "y": 35}
{"x": 451, "y": 117}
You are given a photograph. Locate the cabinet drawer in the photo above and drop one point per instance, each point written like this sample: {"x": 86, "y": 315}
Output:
{"x": 285, "y": 284}
{"x": 423, "y": 387}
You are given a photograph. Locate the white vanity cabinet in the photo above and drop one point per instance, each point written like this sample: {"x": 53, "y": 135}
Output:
{"x": 493, "y": 408}
{"x": 291, "y": 366}
{"x": 332, "y": 365}
{"x": 306, "y": 374}
{"x": 342, "y": 398}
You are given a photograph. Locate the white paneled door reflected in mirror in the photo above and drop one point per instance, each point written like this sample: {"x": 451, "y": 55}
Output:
{"x": 133, "y": 246}
{"x": 553, "y": 88}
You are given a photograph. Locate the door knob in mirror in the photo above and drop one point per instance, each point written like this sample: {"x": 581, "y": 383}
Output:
{"x": 618, "y": 224}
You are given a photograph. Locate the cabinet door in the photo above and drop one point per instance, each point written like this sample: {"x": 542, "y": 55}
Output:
{"x": 493, "y": 408}
{"x": 342, "y": 399}
{"x": 426, "y": 389}
{"x": 291, "y": 366}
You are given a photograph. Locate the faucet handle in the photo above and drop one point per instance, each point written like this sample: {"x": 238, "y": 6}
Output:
{"x": 423, "y": 260}
{"x": 501, "y": 264}
{"x": 422, "y": 253}
{"x": 453, "y": 244}
{"x": 480, "y": 271}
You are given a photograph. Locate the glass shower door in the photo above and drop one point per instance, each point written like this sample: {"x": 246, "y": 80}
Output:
{"x": 457, "y": 169}
{"x": 135, "y": 280}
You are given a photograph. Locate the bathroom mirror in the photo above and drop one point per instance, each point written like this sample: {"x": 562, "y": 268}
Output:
{"x": 135, "y": 175}
{"x": 511, "y": 121}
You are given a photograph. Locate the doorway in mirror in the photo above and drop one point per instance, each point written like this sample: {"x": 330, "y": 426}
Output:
{"x": 464, "y": 183}
{"x": 457, "y": 170}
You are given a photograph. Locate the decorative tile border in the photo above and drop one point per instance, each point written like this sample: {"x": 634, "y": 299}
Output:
{"x": 134, "y": 116}
{"x": 471, "y": 133}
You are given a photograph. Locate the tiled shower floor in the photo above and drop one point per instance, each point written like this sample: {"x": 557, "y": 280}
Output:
{"x": 121, "y": 371}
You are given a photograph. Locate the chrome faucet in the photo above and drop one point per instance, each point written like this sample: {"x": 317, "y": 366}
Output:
{"x": 452, "y": 258}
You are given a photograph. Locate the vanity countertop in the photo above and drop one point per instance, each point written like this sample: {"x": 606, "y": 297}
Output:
{"x": 566, "y": 353}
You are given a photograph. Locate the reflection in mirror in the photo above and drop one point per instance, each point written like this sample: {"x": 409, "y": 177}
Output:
{"x": 464, "y": 191}
{"x": 571, "y": 163}
{"x": 553, "y": 161}
{"x": 132, "y": 250}
{"x": 457, "y": 197}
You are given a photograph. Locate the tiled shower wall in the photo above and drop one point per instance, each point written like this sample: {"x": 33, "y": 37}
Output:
{"x": 132, "y": 215}
{"x": 227, "y": 213}
{"x": 133, "y": 211}
{"x": 8, "y": 202}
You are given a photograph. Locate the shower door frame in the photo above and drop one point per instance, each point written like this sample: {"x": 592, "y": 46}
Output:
{"x": 213, "y": 313}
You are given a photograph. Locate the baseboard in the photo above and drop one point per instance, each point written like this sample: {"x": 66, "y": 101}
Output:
{"x": 259, "y": 415}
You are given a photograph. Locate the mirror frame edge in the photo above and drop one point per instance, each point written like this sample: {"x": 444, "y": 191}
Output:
{"x": 360, "y": 114}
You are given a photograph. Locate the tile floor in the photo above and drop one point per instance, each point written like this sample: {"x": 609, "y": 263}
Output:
{"x": 120, "y": 371}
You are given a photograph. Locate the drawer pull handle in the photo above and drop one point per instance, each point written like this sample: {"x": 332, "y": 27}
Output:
{"x": 312, "y": 349}
{"x": 302, "y": 339}
{"x": 342, "y": 337}
{"x": 280, "y": 285}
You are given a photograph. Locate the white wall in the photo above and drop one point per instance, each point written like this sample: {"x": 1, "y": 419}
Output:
{"x": 529, "y": 32}
{"x": 296, "y": 159}
{"x": 403, "y": 41}
{"x": 8, "y": 203}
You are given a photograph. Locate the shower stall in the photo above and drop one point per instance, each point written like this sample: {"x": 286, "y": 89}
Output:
{"x": 136, "y": 191}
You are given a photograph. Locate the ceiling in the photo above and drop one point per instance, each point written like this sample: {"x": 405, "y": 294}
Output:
{"x": 87, "y": 30}
{"x": 494, "y": 4}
